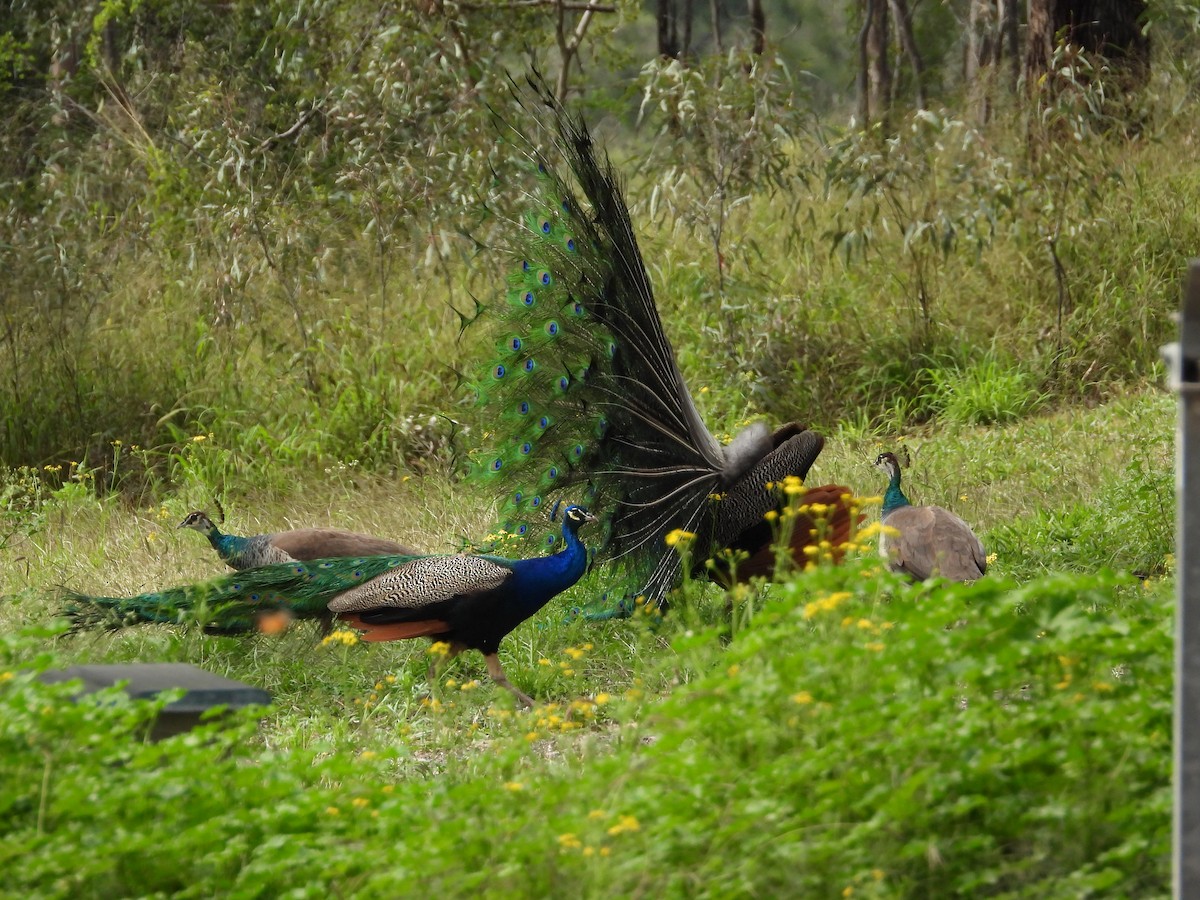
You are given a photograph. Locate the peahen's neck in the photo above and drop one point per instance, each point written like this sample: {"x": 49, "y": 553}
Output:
{"x": 893, "y": 497}
{"x": 537, "y": 580}
{"x": 226, "y": 545}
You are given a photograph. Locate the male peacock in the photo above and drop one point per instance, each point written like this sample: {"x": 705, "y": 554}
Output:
{"x": 931, "y": 540}
{"x": 587, "y": 392}
{"x": 248, "y": 552}
{"x": 471, "y": 602}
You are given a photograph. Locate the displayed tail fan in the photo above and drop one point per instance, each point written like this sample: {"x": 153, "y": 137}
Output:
{"x": 583, "y": 390}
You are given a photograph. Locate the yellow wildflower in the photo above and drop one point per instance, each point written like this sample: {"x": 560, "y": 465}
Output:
{"x": 360, "y": 802}
{"x": 597, "y": 814}
{"x": 589, "y": 851}
{"x": 569, "y": 841}
{"x": 439, "y": 648}
{"x": 874, "y": 646}
{"x": 514, "y": 785}
{"x": 991, "y": 558}
{"x": 573, "y": 652}
{"x": 679, "y": 536}
{"x": 332, "y": 811}
{"x": 341, "y": 636}
{"x": 625, "y": 823}
{"x": 733, "y": 670}
{"x": 200, "y": 438}
{"x": 802, "y": 697}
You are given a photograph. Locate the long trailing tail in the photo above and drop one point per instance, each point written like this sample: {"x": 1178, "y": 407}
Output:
{"x": 236, "y": 602}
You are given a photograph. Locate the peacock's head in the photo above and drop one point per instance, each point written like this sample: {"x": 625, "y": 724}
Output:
{"x": 575, "y": 517}
{"x": 199, "y": 521}
{"x": 888, "y": 464}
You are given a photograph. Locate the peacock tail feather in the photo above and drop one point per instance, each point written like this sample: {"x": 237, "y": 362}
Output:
{"x": 233, "y": 603}
{"x": 583, "y": 392}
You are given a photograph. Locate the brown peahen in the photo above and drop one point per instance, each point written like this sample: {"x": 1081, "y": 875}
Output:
{"x": 470, "y": 602}
{"x": 250, "y": 551}
{"x": 931, "y": 540}
{"x": 586, "y": 393}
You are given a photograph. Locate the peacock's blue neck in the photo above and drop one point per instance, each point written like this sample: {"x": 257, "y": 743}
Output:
{"x": 536, "y": 580}
{"x": 893, "y": 497}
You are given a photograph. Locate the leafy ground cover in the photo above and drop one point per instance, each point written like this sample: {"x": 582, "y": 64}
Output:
{"x": 840, "y": 733}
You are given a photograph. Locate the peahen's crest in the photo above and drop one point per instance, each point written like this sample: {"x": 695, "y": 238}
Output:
{"x": 584, "y": 392}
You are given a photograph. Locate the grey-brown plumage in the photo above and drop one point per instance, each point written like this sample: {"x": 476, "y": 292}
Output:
{"x": 931, "y": 540}
{"x": 252, "y": 551}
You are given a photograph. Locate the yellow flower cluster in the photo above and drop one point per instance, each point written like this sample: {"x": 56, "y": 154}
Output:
{"x": 439, "y": 648}
{"x": 341, "y": 636}
{"x": 827, "y": 603}
{"x": 623, "y": 825}
{"x": 679, "y": 538}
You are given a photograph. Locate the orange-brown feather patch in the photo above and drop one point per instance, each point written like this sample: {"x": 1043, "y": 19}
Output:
{"x": 834, "y": 526}
{"x": 395, "y": 631}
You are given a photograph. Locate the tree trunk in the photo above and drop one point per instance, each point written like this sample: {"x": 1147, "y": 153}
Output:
{"x": 668, "y": 40}
{"x": 715, "y": 8}
{"x": 1106, "y": 27}
{"x": 1009, "y": 41}
{"x": 758, "y": 27}
{"x": 879, "y": 72}
{"x": 864, "y": 58}
{"x": 903, "y": 19}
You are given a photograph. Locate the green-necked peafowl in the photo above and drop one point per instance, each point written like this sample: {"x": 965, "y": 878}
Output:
{"x": 931, "y": 540}
{"x": 249, "y": 552}
{"x": 471, "y": 602}
{"x": 587, "y": 392}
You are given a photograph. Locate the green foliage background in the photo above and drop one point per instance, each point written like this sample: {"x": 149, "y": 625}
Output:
{"x": 234, "y": 237}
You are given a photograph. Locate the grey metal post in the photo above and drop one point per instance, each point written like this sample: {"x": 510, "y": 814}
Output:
{"x": 1184, "y": 359}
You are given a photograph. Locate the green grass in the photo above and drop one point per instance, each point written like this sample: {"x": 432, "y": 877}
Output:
{"x": 854, "y": 732}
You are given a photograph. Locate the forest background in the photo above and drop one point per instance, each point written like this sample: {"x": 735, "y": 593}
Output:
{"x": 236, "y": 238}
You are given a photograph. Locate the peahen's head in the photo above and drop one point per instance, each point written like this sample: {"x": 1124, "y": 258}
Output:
{"x": 199, "y": 521}
{"x": 888, "y": 464}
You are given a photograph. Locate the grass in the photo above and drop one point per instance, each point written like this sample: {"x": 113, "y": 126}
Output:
{"x": 892, "y": 740}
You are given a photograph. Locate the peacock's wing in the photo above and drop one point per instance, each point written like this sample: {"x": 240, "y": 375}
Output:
{"x": 424, "y": 582}
{"x": 585, "y": 389}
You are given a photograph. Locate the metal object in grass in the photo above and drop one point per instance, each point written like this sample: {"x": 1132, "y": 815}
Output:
{"x": 202, "y": 690}
{"x": 1184, "y": 361}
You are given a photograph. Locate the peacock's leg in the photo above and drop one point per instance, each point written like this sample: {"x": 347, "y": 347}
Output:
{"x": 494, "y": 670}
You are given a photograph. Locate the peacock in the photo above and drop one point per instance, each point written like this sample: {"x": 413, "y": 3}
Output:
{"x": 248, "y": 552}
{"x": 468, "y": 601}
{"x": 583, "y": 391}
{"x": 930, "y": 540}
